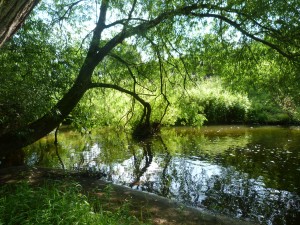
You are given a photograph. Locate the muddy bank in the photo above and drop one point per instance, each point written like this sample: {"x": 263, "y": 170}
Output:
{"x": 146, "y": 206}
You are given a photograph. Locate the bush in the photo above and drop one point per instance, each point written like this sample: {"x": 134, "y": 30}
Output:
{"x": 211, "y": 103}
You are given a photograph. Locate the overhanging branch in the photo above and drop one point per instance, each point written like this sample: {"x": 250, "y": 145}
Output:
{"x": 247, "y": 33}
{"x": 121, "y": 89}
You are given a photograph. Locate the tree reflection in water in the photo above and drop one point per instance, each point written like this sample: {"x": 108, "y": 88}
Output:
{"x": 238, "y": 172}
{"x": 138, "y": 170}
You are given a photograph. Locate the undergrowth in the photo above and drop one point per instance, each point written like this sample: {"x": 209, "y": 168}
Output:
{"x": 57, "y": 202}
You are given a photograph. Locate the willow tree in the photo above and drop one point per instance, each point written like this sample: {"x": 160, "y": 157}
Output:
{"x": 161, "y": 30}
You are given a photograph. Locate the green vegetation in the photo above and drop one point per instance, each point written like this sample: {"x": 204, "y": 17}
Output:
{"x": 208, "y": 102}
{"x": 139, "y": 65}
{"x": 57, "y": 202}
{"x": 142, "y": 64}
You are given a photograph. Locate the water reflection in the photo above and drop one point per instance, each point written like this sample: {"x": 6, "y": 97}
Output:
{"x": 249, "y": 173}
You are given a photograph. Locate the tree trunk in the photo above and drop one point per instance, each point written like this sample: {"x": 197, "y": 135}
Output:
{"x": 12, "y": 16}
{"x": 15, "y": 140}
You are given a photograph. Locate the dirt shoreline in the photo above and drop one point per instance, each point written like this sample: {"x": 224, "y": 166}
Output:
{"x": 144, "y": 205}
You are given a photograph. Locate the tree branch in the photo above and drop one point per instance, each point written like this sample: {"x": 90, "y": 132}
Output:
{"x": 121, "y": 89}
{"x": 147, "y": 106}
{"x": 66, "y": 13}
{"x": 94, "y": 47}
{"x": 247, "y": 33}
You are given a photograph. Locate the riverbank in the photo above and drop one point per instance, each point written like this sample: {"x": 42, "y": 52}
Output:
{"x": 144, "y": 206}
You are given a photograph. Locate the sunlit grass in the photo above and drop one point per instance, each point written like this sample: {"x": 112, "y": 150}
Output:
{"x": 57, "y": 202}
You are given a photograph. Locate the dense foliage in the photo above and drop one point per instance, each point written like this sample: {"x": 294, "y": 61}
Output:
{"x": 144, "y": 63}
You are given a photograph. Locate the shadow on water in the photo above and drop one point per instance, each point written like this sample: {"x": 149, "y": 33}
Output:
{"x": 242, "y": 172}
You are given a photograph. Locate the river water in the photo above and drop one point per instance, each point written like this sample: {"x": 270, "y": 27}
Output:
{"x": 251, "y": 173}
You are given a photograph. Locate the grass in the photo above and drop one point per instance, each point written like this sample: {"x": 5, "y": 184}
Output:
{"x": 57, "y": 202}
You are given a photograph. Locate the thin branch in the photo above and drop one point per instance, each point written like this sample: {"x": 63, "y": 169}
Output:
{"x": 161, "y": 70}
{"x": 56, "y": 147}
{"x": 248, "y": 34}
{"x": 139, "y": 29}
{"x": 67, "y": 12}
{"x": 118, "y": 88}
{"x": 127, "y": 64}
{"x": 83, "y": 39}
{"x": 132, "y": 9}
{"x": 161, "y": 67}
{"x": 118, "y": 58}
{"x": 124, "y": 22}
{"x": 124, "y": 62}
{"x": 248, "y": 17}
{"x": 147, "y": 106}
{"x": 166, "y": 108}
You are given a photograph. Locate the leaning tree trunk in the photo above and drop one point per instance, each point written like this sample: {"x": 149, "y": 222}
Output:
{"x": 22, "y": 137}
{"x": 14, "y": 140}
{"x": 12, "y": 16}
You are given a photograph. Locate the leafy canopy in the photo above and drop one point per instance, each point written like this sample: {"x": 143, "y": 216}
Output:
{"x": 148, "y": 50}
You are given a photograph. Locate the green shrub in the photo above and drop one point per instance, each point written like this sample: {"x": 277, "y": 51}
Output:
{"x": 210, "y": 102}
{"x": 269, "y": 112}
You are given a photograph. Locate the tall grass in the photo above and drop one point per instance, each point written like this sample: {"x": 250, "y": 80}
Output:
{"x": 56, "y": 202}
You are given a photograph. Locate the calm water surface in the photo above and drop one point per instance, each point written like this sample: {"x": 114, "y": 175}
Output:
{"x": 252, "y": 173}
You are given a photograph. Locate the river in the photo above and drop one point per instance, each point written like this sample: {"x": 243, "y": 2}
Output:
{"x": 250, "y": 173}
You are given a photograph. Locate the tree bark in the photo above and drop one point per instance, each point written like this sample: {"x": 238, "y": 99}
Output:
{"x": 12, "y": 16}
